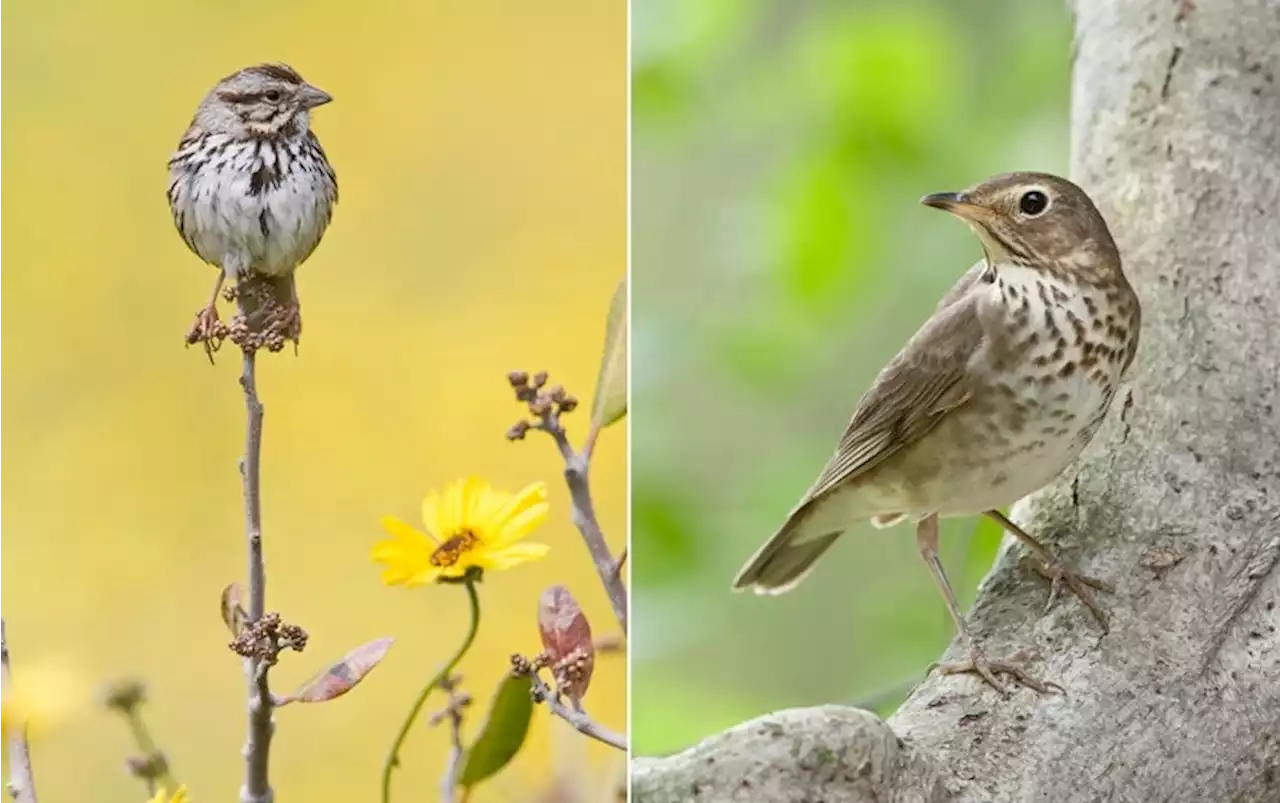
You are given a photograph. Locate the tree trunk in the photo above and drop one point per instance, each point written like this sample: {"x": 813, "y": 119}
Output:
{"x": 1176, "y": 135}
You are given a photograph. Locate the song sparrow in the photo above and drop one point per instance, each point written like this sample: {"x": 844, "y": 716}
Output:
{"x": 250, "y": 188}
{"x": 995, "y": 395}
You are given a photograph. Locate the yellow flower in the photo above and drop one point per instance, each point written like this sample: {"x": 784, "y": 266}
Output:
{"x": 467, "y": 525}
{"x": 179, "y": 796}
{"x": 47, "y": 693}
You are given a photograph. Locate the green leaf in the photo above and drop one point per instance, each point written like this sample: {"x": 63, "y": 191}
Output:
{"x": 610, "y": 403}
{"x": 503, "y": 732}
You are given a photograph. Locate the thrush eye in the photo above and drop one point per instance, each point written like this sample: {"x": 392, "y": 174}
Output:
{"x": 1033, "y": 203}
{"x": 272, "y": 95}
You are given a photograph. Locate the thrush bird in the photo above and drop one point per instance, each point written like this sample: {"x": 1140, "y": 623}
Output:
{"x": 995, "y": 395}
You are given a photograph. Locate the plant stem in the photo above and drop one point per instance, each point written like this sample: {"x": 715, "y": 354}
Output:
{"x": 576, "y": 716}
{"x": 577, "y": 467}
{"x": 142, "y": 737}
{"x": 22, "y": 783}
{"x": 257, "y": 750}
{"x": 393, "y": 757}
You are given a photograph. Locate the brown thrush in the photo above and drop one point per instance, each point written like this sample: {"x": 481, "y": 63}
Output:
{"x": 992, "y": 398}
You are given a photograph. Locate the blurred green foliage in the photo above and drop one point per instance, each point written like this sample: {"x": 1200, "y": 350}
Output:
{"x": 780, "y": 258}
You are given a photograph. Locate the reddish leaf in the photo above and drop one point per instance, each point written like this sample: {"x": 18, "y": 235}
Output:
{"x": 233, "y": 613}
{"x": 342, "y": 676}
{"x": 566, "y": 637}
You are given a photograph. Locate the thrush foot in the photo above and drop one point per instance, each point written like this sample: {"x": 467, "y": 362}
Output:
{"x": 207, "y": 330}
{"x": 979, "y": 664}
{"x": 1059, "y": 575}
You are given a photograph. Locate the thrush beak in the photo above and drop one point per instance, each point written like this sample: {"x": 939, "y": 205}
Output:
{"x": 312, "y": 97}
{"x": 957, "y": 203}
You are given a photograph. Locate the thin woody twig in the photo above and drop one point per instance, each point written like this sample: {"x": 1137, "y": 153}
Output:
{"x": 452, "y": 713}
{"x": 576, "y": 468}
{"x": 22, "y": 782}
{"x": 575, "y": 715}
{"x": 546, "y": 407}
{"x": 257, "y": 749}
{"x": 449, "y": 784}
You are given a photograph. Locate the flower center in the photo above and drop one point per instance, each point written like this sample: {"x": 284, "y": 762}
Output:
{"x": 452, "y": 548}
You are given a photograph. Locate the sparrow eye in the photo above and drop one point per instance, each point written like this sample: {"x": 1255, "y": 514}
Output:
{"x": 1033, "y": 203}
{"x": 273, "y": 96}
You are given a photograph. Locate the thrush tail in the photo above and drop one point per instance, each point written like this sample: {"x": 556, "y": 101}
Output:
{"x": 787, "y": 558}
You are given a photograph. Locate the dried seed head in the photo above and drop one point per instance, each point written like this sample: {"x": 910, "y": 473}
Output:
{"x": 540, "y": 379}
{"x": 521, "y": 665}
{"x": 518, "y": 379}
{"x": 518, "y": 430}
{"x": 125, "y": 695}
{"x": 148, "y": 768}
{"x": 294, "y": 636}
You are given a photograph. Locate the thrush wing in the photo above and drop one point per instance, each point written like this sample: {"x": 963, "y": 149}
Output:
{"x": 915, "y": 391}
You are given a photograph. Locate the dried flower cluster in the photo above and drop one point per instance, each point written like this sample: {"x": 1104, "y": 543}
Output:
{"x": 545, "y": 405}
{"x": 266, "y": 638}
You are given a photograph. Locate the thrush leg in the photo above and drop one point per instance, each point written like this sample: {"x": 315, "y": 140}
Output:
{"x": 1054, "y": 570}
{"x": 207, "y": 328}
{"x": 978, "y": 663}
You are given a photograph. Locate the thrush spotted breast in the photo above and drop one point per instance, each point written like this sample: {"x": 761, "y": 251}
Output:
{"x": 994, "y": 396}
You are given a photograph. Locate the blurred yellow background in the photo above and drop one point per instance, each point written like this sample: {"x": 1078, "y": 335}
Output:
{"x": 480, "y": 150}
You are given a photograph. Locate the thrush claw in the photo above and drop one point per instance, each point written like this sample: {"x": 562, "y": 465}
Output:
{"x": 1059, "y": 575}
{"x": 979, "y": 664}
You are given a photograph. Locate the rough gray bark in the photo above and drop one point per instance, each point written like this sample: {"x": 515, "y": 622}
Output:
{"x": 1176, "y": 134}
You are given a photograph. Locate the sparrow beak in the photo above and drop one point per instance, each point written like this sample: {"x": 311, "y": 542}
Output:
{"x": 312, "y": 97}
{"x": 957, "y": 203}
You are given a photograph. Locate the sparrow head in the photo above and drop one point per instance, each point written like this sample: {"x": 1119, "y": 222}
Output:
{"x": 1035, "y": 219}
{"x": 265, "y": 100}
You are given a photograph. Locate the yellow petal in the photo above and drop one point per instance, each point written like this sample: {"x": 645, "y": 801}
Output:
{"x": 433, "y": 515}
{"x": 450, "y": 515}
{"x": 425, "y": 575}
{"x": 178, "y": 797}
{"x": 465, "y": 561}
{"x": 475, "y": 492}
{"x": 497, "y": 560}
{"x": 403, "y": 531}
{"x": 485, "y": 511}
{"x": 397, "y": 572}
{"x": 520, "y": 516}
{"x": 404, "y": 555}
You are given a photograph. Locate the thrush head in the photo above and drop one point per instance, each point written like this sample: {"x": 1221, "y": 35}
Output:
{"x": 1036, "y": 219}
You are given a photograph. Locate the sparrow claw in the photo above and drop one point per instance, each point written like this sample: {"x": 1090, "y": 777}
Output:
{"x": 1059, "y": 576}
{"x": 287, "y": 323}
{"x": 208, "y": 331}
{"x": 979, "y": 664}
